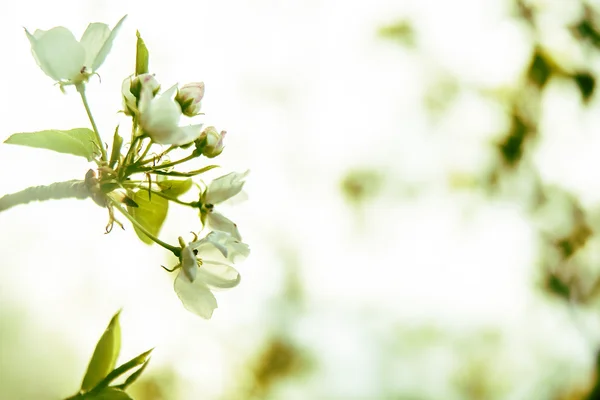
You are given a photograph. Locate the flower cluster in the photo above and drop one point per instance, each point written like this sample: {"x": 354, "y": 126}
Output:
{"x": 143, "y": 180}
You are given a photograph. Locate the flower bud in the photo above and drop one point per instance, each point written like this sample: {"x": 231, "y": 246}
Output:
{"x": 210, "y": 142}
{"x": 132, "y": 89}
{"x": 189, "y": 98}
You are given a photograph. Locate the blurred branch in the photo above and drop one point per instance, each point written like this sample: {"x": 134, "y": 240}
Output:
{"x": 59, "y": 190}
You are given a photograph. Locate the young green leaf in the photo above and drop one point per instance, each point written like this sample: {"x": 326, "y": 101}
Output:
{"x": 142, "y": 360}
{"x": 105, "y": 355}
{"x": 133, "y": 377}
{"x": 79, "y": 142}
{"x": 141, "y": 56}
{"x": 150, "y": 213}
{"x": 108, "y": 394}
{"x": 115, "y": 153}
{"x": 174, "y": 188}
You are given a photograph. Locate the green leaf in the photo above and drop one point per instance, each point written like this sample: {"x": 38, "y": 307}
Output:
{"x": 133, "y": 377}
{"x": 108, "y": 394}
{"x": 79, "y": 142}
{"x": 141, "y": 56}
{"x": 150, "y": 213}
{"x": 105, "y": 356}
{"x": 175, "y": 188}
{"x": 142, "y": 360}
{"x": 115, "y": 153}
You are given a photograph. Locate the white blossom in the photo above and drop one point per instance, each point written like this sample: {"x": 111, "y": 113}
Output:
{"x": 160, "y": 115}
{"x": 67, "y": 60}
{"x": 205, "y": 266}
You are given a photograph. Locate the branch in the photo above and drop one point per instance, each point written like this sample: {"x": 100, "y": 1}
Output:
{"x": 58, "y": 190}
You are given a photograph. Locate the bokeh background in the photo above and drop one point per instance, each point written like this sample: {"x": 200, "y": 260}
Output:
{"x": 422, "y": 205}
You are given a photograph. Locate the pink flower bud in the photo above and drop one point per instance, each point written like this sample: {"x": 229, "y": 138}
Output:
{"x": 210, "y": 142}
{"x": 189, "y": 98}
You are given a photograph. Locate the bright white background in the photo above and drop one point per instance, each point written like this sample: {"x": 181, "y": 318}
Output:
{"x": 307, "y": 91}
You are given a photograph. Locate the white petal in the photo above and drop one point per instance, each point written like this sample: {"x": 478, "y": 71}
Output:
{"x": 188, "y": 134}
{"x": 159, "y": 115}
{"x": 163, "y": 106}
{"x": 225, "y": 244}
{"x": 208, "y": 241}
{"x": 105, "y": 49}
{"x": 238, "y": 199}
{"x": 39, "y": 33}
{"x": 129, "y": 100}
{"x": 92, "y": 41}
{"x": 196, "y": 297}
{"x": 146, "y": 96}
{"x": 210, "y": 251}
{"x": 189, "y": 265}
{"x": 218, "y": 222}
{"x": 225, "y": 187}
{"x": 57, "y": 52}
{"x": 218, "y": 275}
{"x": 33, "y": 40}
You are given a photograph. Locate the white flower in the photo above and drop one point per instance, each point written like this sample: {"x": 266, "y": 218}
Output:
{"x": 131, "y": 90}
{"x": 230, "y": 247}
{"x": 159, "y": 118}
{"x": 67, "y": 60}
{"x": 219, "y": 190}
{"x": 205, "y": 267}
{"x": 189, "y": 97}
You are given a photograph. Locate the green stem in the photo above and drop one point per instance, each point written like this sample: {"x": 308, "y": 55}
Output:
{"x": 124, "y": 172}
{"x": 153, "y": 159}
{"x": 139, "y": 184}
{"x": 58, "y": 190}
{"x": 164, "y": 196}
{"x": 167, "y": 165}
{"x": 81, "y": 89}
{"x": 146, "y": 150}
{"x": 186, "y": 174}
{"x": 172, "y": 249}
{"x": 131, "y": 150}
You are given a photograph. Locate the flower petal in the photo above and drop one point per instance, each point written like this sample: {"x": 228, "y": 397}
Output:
{"x": 205, "y": 243}
{"x": 57, "y": 52}
{"x": 187, "y": 134}
{"x": 189, "y": 265}
{"x": 225, "y": 187}
{"x": 129, "y": 100}
{"x": 195, "y": 296}
{"x": 218, "y": 222}
{"x": 101, "y": 52}
{"x": 159, "y": 115}
{"x": 218, "y": 275}
{"x": 217, "y": 244}
{"x": 92, "y": 41}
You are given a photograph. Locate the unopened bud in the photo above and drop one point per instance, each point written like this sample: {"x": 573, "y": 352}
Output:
{"x": 189, "y": 98}
{"x": 210, "y": 142}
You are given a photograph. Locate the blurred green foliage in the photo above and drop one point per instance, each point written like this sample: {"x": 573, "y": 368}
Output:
{"x": 361, "y": 184}
{"x": 401, "y": 31}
